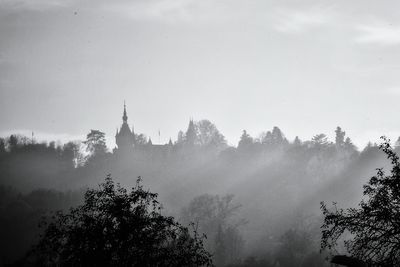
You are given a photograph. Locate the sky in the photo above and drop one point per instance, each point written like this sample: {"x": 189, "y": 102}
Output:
{"x": 305, "y": 66}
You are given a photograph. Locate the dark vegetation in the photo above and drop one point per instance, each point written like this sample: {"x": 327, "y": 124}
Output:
{"x": 258, "y": 202}
{"x": 370, "y": 232}
{"x": 114, "y": 227}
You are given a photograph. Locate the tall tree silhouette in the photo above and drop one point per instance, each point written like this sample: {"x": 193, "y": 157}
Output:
{"x": 12, "y": 143}
{"x": 245, "y": 140}
{"x": 2, "y": 146}
{"x": 374, "y": 226}
{"x": 118, "y": 228}
{"x": 320, "y": 140}
{"x": 348, "y": 144}
{"x": 278, "y": 137}
{"x": 208, "y": 135}
{"x": 96, "y": 142}
{"x": 297, "y": 141}
{"x": 217, "y": 218}
{"x": 339, "y": 137}
{"x": 95, "y": 145}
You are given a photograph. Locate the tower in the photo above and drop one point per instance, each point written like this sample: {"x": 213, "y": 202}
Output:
{"x": 191, "y": 134}
{"x": 125, "y": 138}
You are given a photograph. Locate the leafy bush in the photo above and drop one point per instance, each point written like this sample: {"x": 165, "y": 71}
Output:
{"x": 116, "y": 228}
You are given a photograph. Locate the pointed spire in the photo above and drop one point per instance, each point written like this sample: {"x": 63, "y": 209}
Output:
{"x": 125, "y": 117}
{"x": 191, "y": 133}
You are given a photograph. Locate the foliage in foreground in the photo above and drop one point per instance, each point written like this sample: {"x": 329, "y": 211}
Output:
{"x": 374, "y": 227}
{"x": 117, "y": 228}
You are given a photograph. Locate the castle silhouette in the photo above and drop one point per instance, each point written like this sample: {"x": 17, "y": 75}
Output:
{"x": 125, "y": 138}
{"x": 127, "y": 141}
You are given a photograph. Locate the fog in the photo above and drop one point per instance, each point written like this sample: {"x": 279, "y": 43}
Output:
{"x": 243, "y": 117}
{"x": 260, "y": 198}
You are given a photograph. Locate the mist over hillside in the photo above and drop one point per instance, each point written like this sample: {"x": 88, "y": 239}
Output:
{"x": 256, "y": 197}
{"x": 225, "y": 133}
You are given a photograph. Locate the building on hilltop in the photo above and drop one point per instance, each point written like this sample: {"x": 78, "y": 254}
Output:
{"x": 127, "y": 144}
{"x": 125, "y": 137}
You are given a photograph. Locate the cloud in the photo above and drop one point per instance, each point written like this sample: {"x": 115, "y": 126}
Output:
{"x": 185, "y": 11}
{"x": 163, "y": 10}
{"x": 35, "y": 5}
{"x": 378, "y": 33}
{"x": 300, "y": 21}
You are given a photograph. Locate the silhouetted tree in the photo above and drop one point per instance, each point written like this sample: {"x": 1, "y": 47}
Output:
{"x": 319, "y": 140}
{"x": 71, "y": 154}
{"x": 216, "y": 218}
{"x": 2, "y": 146}
{"x": 12, "y": 143}
{"x": 274, "y": 138}
{"x": 374, "y": 226}
{"x": 277, "y": 136}
{"x": 52, "y": 145}
{"x": 96, "y": 143}
{"x": 114, "y": 227}
{"x": 339, "y": 138}
{"x": 245, "y": 141}
{"x": 348, "y": 145}
{"x": 208, "y": 135}
{"x": 220, "y": 250}
{"x": 297, "y": 141}
{"x": 266, "y": 138}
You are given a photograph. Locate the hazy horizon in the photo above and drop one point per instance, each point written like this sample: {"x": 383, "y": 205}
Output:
{"x": 304, "y": 66}
{"x": 199, "y": 72}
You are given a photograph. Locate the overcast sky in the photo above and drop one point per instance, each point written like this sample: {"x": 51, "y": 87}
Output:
{"x": 306, "y": 66}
